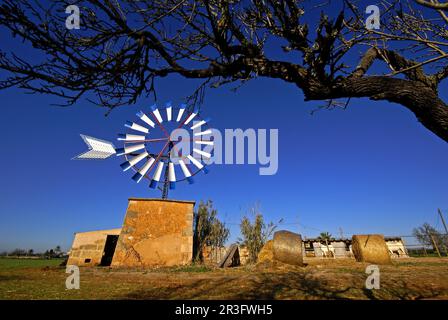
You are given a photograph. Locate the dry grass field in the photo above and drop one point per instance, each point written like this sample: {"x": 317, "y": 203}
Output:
{"x": 407, "y": 278}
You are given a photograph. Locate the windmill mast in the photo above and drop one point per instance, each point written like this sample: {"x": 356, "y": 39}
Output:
{"x": 166, "y": 182}
{"x": 165, "y": 186}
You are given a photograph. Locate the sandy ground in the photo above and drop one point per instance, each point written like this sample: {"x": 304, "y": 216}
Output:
{"x": 407, "y": 278}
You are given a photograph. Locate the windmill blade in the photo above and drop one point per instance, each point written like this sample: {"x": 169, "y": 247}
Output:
{"x": 181, "y": 112}
{"x": 203, "y": 133}
{"x": 130, "y": 137}
{"x": 136, "y": 127}
{"x": 202, "y": 153}
{"x": 195, "y": 162}
{"x": 98, "y": 149}
{"x": 145, "y": 119}
{"x": 172, "y": 175}
{"x": 207, "y": 142}
{"x": 157, "y": 174}
{"x": 169, "y": 111}
{"x": 199, "y": 123}
{"x": 129, "y": 149}
{"x": 186, "y": 172}
{"x": 141, "y": 173}
{"x": 132, "y": 162}
{"x": 191, "y": 117}
{"x": 156, "y": 113}
{"x": 199, "y": 165}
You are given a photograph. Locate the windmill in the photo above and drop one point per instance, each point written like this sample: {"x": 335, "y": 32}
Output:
{"x": 152, "y": 152}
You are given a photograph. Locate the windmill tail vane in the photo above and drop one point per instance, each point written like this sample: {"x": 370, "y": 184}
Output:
{"x": 139, "y": 147}
{"x": 98, "y": 149}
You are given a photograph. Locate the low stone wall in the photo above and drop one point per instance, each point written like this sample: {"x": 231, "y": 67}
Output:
{"x": 88, "y": 247}
{"x": 212, "y": 256}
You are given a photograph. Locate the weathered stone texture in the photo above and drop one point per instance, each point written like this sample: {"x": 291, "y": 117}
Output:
{"x": 88, "y": 247}
{"x": 156, "y": 232}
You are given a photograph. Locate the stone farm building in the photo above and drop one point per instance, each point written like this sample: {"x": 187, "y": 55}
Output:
{"x": 154, "y": 232}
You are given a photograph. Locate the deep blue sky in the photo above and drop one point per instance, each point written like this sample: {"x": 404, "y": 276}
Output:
{"x": 369, "y": 169}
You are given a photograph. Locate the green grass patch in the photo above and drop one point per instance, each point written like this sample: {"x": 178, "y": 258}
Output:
{"x": 23, "y": 263}
{"x": 193, "y": 268}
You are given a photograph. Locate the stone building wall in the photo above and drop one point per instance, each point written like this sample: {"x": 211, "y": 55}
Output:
{"x": 156, "y": 232}
{"x": 212, "y": 255}
{"x": 88, "y": 247}
{"x": 244, "y": 255}
{"x": 396, "y": 248}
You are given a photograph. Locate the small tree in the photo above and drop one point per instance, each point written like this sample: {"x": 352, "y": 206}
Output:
{"x": 57, "y": 251}
{"x": 255, "y": 234}
{"x": 325, "y": 237}
{"x": 424, "y": 233}
{"x": 49, "y": 254}
{"x": 218, "y": 236}
{"x": 18, "y": 252}
{"x": 208, "y": 230}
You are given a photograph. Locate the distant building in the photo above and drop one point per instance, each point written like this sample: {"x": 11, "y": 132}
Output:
{"x": 396, "y": 247}
{"x": 342, "y": 248}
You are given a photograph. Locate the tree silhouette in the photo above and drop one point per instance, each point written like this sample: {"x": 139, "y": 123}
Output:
{"x": 124, "y": 46}
{"x": 425, "y": 235}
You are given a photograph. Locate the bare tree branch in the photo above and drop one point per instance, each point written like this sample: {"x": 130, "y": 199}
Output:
{"x": 123, "y": 47}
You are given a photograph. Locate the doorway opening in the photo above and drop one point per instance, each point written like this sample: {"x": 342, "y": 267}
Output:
{"x": 109, "y": 249}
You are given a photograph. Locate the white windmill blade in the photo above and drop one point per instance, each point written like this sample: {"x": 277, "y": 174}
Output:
{"x": 172, "y": 175}
{"x": 197, "y": 124}
{"x": 186, "y": 172}
{"x": 141, "y": 173}
{"x": 203, "y": 133}
{"x": 181, "y": 112}
{"x": 129, "y": 149}
{"x": 98, "y": 149}
{"x": 207, "y": 142}
{"x": 156, "y": 113}
{"x": 195, "y": 162}
{"x": 132, "y": 162}
{"x": 156, "y": 176}
{"x": 198, "y": 165}
{"x": 130, "y": 137}
{"x": 202, "y": 153}
{"x": 169, "y": 111}
{"x": 145, "y": 118}
{"x": 191, "y": 117}
{"x": 136, "y": 127}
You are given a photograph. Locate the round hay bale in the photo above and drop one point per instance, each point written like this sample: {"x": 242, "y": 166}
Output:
{"x": 370, "y": 248}
{"x": 266, "y": 253}
{"x": 287, "y": 248}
